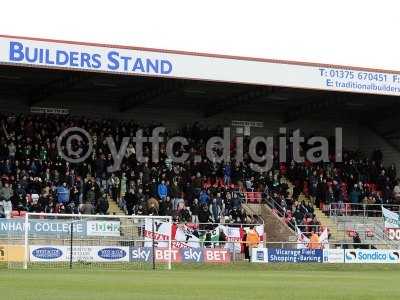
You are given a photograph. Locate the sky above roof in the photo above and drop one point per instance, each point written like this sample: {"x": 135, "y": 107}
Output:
{"x": 351, "y": 33}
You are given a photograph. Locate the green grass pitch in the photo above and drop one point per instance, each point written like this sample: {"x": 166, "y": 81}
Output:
{"x": 238, "y": 281}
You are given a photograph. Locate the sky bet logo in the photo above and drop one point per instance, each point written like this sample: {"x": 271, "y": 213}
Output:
{"x": 141, "y": 254}
{"x": 192, "y": 255}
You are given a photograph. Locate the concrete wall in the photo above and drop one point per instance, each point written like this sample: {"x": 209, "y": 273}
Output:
{"x": 369, "y": 141}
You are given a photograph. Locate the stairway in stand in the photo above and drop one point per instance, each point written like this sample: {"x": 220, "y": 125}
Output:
{"x": 113, "y": 208}
{"x": 130, "y": 232}
{"x": 338, "y": 235}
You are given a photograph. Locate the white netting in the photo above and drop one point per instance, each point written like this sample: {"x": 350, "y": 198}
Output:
{"x": 94, "y": 241}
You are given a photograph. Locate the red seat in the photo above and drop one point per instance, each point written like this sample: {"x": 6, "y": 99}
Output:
{"x": 258, "y": 197}
{"x": 369, "y": 233}
{"x": 351, "y": 232}
{"x": 250, "y": 197}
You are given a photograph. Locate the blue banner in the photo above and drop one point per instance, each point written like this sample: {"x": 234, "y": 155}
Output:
{"x": 276, "y": 255}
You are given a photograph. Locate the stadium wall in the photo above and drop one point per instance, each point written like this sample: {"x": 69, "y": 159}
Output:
{"x": 369, "y": 141}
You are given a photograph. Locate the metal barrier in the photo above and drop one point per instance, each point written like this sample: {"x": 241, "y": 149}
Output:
{"x": 332, "y": 245}
{"x": 250, "y": 197}
{"x": 365, "y": 219}
{"x": 360, "y": 209}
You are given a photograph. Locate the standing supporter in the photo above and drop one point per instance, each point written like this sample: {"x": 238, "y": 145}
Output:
{"x": 204, "y": 198}
{"x": 204, "y": 216}
{"x": 252, "y": 240}
{"x": 355, "y": 195}
{"x": 396, "y": 192}
{"x": 227, "y": 174}
{"x": 63, "y": 193}
{"x": 215, "y": 211}
{"x": 103, "y": 204}
{"x": 130, "y": 201}
{"x": 91, "y": 196}
{"x": 162, "y": 191}
{"x": 314, "y": 241}
{"x": 86, "y": 208}
{"x": 166, "y": 207}
{"x": 195, "y": 209}
{"x": 124, "y": 184}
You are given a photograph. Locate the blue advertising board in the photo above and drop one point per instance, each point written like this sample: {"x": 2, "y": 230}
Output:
{"x": 277, "y": 255}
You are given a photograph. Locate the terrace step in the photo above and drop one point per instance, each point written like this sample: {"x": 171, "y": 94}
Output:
{"x": 337, "y": 234}
{"x": 114, "y": 208}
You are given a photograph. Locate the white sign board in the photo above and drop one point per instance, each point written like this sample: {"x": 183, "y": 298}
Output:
{"x": 49, "y": 110}
{"x": 138, "y": 61}
{"x": 371, "y": 256}
{"x": 50, "y": 253}
{"x": 103, "y": 228}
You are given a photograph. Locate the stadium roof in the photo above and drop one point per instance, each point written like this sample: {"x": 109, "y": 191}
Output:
{"x": 130, "y": 92}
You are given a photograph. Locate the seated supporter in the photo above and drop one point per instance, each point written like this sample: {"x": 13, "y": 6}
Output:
{"x": 31, "y": 166}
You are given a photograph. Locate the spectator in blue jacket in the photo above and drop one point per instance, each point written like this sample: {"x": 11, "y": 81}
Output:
{"x": 227, "y": 174}
{"x": 63, "y": 193}
{"x": 204, "y": 198}
{"x": 162, "y": 190}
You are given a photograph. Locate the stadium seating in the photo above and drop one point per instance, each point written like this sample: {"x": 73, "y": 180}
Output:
{"x": 39, "y": 181}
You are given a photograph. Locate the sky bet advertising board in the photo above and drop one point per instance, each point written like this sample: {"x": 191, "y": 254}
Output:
{"x": 181, "y": 255}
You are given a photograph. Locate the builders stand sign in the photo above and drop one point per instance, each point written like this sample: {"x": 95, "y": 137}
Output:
{"x": 182, "y": 255}
{"x": 134, "y": 61}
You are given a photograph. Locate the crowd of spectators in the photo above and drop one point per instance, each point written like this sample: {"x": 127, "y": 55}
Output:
{"x": 356, "y": 183}
{"x": 35, "y": 178}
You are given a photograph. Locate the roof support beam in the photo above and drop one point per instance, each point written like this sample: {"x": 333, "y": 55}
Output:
{"x": 55, "y": 87}
{"x": 142, "y": 97}
{"x": 236, "y": 100}
{"x": 382, "y": 114}
{"x": 317, "y": 104}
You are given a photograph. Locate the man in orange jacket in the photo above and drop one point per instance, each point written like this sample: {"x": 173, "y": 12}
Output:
{"x": 314, "y": 241}
{"x": 252, "y": 240}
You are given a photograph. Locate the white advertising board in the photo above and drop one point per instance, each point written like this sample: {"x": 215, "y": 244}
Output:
{"x": 147, "y": 62}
